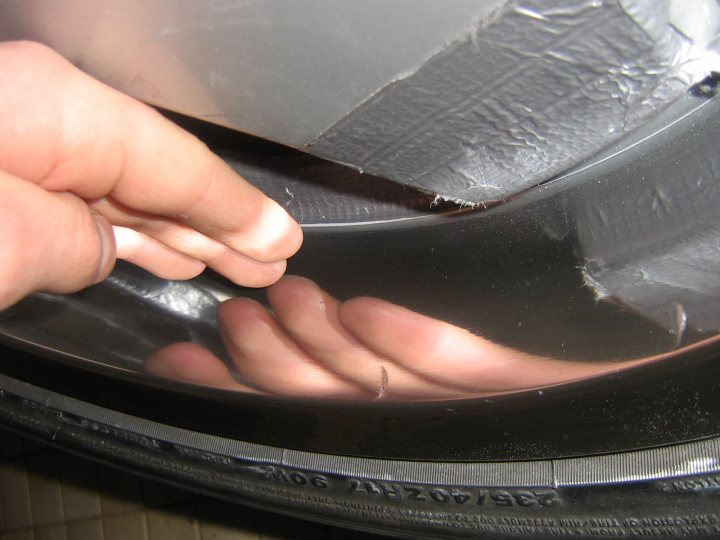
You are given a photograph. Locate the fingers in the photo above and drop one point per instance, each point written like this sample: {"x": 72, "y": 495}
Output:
{"x": 310, "y": 316}
{"x": 263, "y": 353}
{"x": 195, "y": 187}
{"x": 190, "y": 363}
{"x": 70, "y": 248}
{"x": 450, "y": 355}
{"x": 191, "y": 244}
{"x": 155, "y": 257}
{"x": 362, "y": 349}
{"x": 76, "y": 134}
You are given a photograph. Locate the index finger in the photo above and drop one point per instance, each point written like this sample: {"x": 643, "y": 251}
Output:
{"x": 193, "y": 185}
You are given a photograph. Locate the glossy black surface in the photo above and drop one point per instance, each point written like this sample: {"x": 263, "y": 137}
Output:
{"x": 549, "y": 275}
{"x": 651, "y": 406}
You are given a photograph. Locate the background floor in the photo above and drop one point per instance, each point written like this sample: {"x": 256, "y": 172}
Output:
{"x": 46, "y": 494}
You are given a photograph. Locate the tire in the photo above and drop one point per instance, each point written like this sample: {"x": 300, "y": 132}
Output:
{"x": 632, "y": 453}
{"x": 671, "y": 490}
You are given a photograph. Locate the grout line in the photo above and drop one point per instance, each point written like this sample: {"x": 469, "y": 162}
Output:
{"x": 146, "y": 527}
{"x": 196, "y": 524}
{"x": 102, "y": 525}
{"x": 61, "y": 481}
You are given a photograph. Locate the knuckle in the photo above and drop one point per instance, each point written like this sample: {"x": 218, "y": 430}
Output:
{"x": 26, "y": 47}
{"x": 78, "y": 254}
{"x": 31, "y": 53}
{"x": 14, "y": 267}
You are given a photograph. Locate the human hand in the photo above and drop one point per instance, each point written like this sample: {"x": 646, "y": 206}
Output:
{"x": 88, "y": 174}
{"x": 363, "y": 348}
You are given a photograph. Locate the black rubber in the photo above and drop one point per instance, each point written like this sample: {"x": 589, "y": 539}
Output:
{"x": 670, "y": 491}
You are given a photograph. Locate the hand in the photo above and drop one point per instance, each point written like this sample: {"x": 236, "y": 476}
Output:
{"x": 88, "y": 174}
{"x": 363, "y": 348}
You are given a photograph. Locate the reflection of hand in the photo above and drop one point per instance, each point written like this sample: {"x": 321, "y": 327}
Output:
{"x": 316, "y": 346}
{"x": 77, "y": 157}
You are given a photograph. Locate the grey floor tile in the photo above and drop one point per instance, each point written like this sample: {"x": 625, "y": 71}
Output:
{"x": 278, "y": 527}
{"x": 45, "y": 493}
{"x": 81, "y": 499}
{"x": 51, "y": 532}
{"x": 15, "y": 496}
{"x": 89, "y": 529}
{"x": 120, "y": 492}
{"x": 126, "y": 526}
{"x": 220, "y": 520}
{"x": 27, "y": 534}
{"x": 172, "y": 524}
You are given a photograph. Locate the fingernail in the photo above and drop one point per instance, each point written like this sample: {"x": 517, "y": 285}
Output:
{"x": 107, "y": 241}
{"x": 127, "y": 241}
{"x": 277, "y": 232}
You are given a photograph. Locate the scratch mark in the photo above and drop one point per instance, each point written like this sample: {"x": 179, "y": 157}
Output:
{"x": 530, "y": 13}
{"x": 383, "y": 382}
{"x": 681, "y": 319}
{"x": 598, "y": 289}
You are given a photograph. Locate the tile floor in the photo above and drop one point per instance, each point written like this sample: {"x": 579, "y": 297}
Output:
{"x": 46, "y": 494}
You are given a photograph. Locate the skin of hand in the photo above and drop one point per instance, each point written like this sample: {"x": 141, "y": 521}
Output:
{"x": 88, "y": 174}
{"x": 363, "y": 348}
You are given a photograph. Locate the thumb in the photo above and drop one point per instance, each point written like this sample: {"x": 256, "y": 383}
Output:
{"x": 49, "y": 241}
